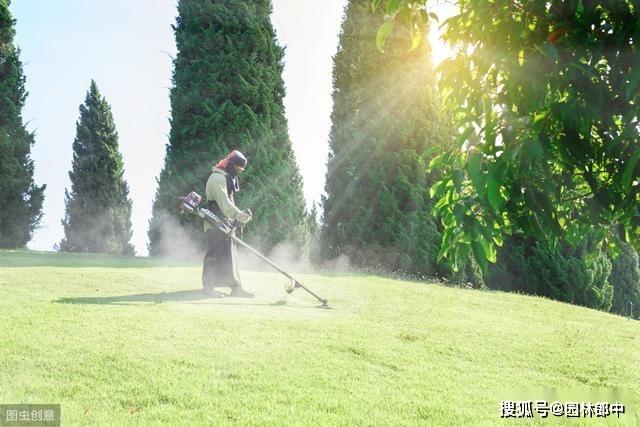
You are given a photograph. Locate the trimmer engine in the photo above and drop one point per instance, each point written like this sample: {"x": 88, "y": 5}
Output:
{"x": 190, "y": 202}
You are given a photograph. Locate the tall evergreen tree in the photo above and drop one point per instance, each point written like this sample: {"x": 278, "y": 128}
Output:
{"x": 20, "y": 199}
{"x": 576, "y": 274}
{"x": 625, "y": 279}
{"x": 385, "y": 121}
{"x": 314, "y": 254}
{"x": 98, "y": 208}
{"x": 228, "y": 94}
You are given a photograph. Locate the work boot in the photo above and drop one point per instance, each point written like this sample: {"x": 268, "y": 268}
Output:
{"x": 212, "y": 293}
{"x": 238, "y": 292}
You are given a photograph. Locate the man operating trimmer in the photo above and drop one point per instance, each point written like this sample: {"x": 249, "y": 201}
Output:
{"x": 221, "y": 261}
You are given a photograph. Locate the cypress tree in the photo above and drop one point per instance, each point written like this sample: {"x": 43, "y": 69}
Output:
{"x": 98, "y": 208}
{"x": 385, "y": 122}
{"x": 228, "y": 94}
{"x": 20, "y": 199}
{"x": 625, "y": 279}
{"x": 314, "y": 249}
{"x": 577, "y": 274}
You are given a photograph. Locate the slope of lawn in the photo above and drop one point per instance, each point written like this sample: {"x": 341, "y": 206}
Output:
{"x": 124, "y": 341}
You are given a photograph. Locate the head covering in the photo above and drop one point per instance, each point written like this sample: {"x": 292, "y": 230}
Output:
{"x": 235, "y": 158}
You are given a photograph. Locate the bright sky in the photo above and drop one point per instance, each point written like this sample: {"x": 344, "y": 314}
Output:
{"x": 127, "y": 48}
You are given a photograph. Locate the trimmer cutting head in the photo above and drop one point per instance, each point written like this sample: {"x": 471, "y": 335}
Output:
{"x": 324, "y": 305}
{"x": 290, "y": 286}
{"x": 293, "y": 284}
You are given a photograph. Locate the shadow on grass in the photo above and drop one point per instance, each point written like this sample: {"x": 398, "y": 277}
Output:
{"x": 187, "y": 296}
{"x": 179, "y": 296}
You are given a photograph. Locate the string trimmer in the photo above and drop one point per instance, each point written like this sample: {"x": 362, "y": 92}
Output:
{"x": 189, "y": 204}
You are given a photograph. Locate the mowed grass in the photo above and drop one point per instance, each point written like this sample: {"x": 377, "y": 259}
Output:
{"x": 122, "y": 341}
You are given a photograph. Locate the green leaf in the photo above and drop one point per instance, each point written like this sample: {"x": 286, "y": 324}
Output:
{"x": 435, "y": 189}
{"x": 493, "y": 193}
{"x": 392, "y": 6}
{"x": 474, "y": 170}
{"x": 444, "y": 200}
{"x": 479, "y": 255}
{"x": 449, "y": 220}
{"x": 488, "y": 248}
{"x": 438, "y": 161}
{"x": 465, "y": 135}
{"x": 383, "y": 32}
{"x": 627, "y": 175}
{"x": 434, "y": 16}
{"x": 447, "y": 243}
{"x": 540, "y": 116}
{"x": 374, "y": 5}
{"x": 416, "y": 37}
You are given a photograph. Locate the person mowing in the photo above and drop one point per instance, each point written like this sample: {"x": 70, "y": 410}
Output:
{"x": 220, "y": 267}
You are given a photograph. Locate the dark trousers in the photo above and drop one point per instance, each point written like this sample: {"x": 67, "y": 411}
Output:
{"x": 220, "y": 266}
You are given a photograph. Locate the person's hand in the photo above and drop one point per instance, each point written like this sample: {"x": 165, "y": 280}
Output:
{"x": 243, "y": 217}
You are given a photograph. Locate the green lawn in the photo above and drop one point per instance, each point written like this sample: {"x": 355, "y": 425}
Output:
{"x": 123, "y": 341}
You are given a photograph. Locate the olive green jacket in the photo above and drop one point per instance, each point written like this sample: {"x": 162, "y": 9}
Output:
{"x": 217, "y": 191}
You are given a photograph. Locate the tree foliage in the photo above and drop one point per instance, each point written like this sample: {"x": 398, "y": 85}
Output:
{"x": 20, "y": 199}
{"x": 625, "y": 279}
{"x": 385, "y": 118}
{"x": 98, "y": 208}
{"x": 573, "y": 273}
{"x": 545, "y": 97}
{"x": 314, "y": 254}
{"x": 228, "y": 94}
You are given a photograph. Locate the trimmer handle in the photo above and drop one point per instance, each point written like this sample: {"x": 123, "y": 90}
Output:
{"x": 235, "y": 224}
